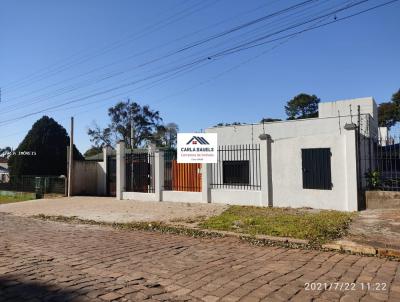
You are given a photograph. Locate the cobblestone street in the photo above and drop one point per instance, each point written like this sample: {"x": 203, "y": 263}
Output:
{"x": 48, "y": 261}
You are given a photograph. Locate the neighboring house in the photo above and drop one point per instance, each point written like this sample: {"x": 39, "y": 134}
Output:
{"x": 4, "y": 173}
{"x": 298, "y": 163}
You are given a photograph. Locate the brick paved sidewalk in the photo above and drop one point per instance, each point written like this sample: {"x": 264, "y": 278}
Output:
{"x": 47, "y": 261}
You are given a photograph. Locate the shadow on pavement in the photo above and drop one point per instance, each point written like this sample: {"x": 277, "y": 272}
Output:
{"x": 14, "y": 289}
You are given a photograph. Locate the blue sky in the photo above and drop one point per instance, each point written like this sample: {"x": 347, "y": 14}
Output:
{"x": 53, "y": 52}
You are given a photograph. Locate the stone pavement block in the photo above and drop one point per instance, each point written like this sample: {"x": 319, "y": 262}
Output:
{"x": 99, "y": 263}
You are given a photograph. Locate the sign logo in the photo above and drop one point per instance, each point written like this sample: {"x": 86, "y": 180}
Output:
{"x": 197, "y": 148}
{"x": 197, "y": 139}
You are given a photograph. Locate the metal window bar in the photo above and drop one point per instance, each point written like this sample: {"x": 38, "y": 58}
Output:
{"x": 139, "y": 171}
{"x": 238, "y": 167}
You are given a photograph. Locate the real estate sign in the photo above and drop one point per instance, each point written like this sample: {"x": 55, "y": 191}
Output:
{"x": 197, "y": 147}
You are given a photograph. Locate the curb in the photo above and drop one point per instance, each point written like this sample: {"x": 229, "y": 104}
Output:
{"x": 262, "y": 239}
{"x": 356, "y": 248}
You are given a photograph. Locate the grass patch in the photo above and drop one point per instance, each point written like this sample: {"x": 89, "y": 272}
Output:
{"x": 316, "y": 226}
{"x": 15, "y": 198}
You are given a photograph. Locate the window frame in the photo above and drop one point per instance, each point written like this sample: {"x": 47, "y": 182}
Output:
{"x": 316, "y": 168}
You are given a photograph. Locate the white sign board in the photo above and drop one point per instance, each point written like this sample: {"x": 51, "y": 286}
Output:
{"x": 197, "y": 148}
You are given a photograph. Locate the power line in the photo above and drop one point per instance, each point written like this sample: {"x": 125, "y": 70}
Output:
{"x": 184, "y": 66}
{"x": 144, "y": 51}
{"x": 264, "y": 52}
{"x": 147, "y": 30}
{"x": 208, "y": 39}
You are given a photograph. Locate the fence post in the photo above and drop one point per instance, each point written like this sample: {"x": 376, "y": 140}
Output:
{"x": 158, "y": 174}
{"x": 266, "y": 170}
{"x": 120, "y": 158}
{"x": 351, "y": 174}
{"x": 205, "y": 182}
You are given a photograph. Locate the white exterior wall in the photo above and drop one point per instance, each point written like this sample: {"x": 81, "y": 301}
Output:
{"x": 236, "y": 197}
{"x": 89, "y": 178}
{"x": 140, "y": 196}
{"x": 180, "y": 196}
{"x": 331, "y": 109}
{"x": 287, "y": 176}
{"x": 281, "y": 161}
{"x": 288, "y": 138}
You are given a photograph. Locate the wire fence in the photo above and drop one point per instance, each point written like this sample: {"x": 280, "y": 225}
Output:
{"x": 379, "y": 156}
{"x": 238, "y": 167}
{"x": 38, "y": 184}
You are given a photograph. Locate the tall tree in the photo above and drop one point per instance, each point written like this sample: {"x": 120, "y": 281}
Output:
{"x": 396, "y": 97}
{"x": 43, "y": 151}
{"x": 302, "y": 106}
{"x": 388, "y": 114}
{"x": 145, "y": 121}
{"x": 167, "y": 135}
{"x": 93, "y": 151}
{"x": 269, "y": 120}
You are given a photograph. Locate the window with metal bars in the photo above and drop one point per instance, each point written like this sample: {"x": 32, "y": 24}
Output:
{"x": 316, "y": 166}
{"x": 236, "y": 172}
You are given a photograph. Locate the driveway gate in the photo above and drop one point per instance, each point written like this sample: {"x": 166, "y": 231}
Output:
{"x": 140, "y": 172}
{"x": 180, "y": 177}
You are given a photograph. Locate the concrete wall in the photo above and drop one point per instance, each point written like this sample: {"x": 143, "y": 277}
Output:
{"x": 287, "y": 179}
{"x": 332, "y": 109}
{"x": 281, "y": 162}
{"x": 288, "y": 138}
{"x": 236, "y": 197}
{"x": 89, "y": 178}
{"x": 382, "y": 200}
{"x": 139, "y": 196}
{"x": 180, "y": 196}
{"x": 249, "y": 134}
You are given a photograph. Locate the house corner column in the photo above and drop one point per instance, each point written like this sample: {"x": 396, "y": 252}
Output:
{"x": 266, "y": 170}
{"x": 205, "y": 182}
{"x": 351, "y": 173}
{"x": 158, "y": 174}
{"x": 120, "y": 158}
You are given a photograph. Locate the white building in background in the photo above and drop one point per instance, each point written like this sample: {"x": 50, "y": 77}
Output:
{"x": 298, "y": 163}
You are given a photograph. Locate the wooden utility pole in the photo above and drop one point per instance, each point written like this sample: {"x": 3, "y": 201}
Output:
{"x": 71, "y": 157}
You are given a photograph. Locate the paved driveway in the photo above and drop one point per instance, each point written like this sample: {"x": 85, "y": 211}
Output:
{"x": 379, "y": 228}
{"x": 48, "y": 261}
{"x": 112, "y": 210}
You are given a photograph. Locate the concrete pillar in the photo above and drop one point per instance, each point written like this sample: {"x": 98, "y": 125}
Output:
{"x": 266, "y": 170}
{"x": 66, "y": 177}
{"x": 205, "y": 182}
{"x": 351, "y": 167}
{"x": 120, "y": 158}
{"x": 158, "y": 174}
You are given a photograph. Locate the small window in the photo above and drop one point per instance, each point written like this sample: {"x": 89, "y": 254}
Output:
{"x": 236, "y": 172}
{"x": 316, "y": 164}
